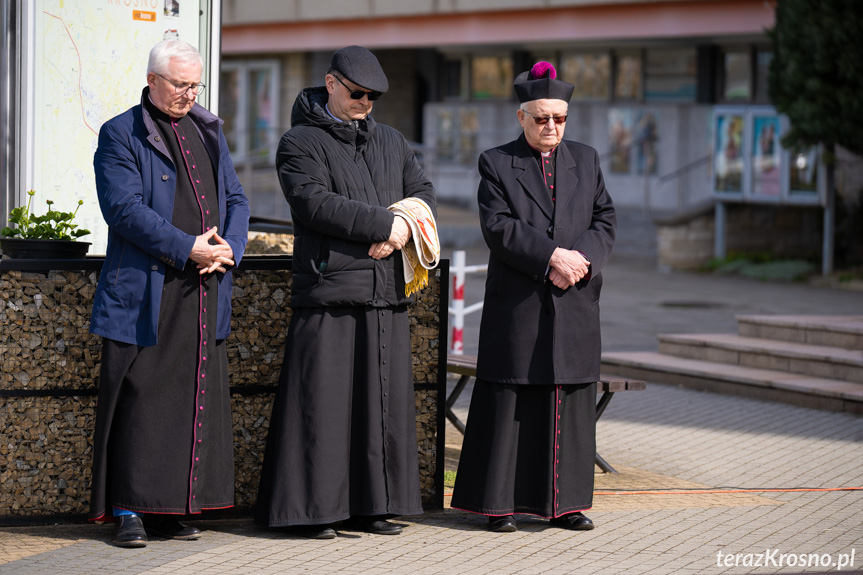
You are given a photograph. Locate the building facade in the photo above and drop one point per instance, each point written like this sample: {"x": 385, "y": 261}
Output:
{"x": 672, "y": 93}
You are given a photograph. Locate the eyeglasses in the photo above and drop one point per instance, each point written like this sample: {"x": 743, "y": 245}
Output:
{"x": 543, "y": 120}
{"x": 358, "y": 94}
{"x": 183, "y": 89}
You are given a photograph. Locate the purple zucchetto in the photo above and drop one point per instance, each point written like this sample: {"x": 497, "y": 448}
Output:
{"x": 540, "y": 82}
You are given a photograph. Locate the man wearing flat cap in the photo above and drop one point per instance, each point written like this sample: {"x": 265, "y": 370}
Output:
{"x": 549, "y": 224}
{"x": 341, "y": 451}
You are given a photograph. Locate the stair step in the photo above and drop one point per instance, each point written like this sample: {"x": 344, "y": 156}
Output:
{"x": 844, "y": 331}
{"x": 819, "y": 393}
{"x": 812, "y": 360}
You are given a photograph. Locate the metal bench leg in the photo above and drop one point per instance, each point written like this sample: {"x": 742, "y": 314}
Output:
{"x": 600, "y": 409}
{"x": 453, "y": 397}
{"x": 603, "y": 464}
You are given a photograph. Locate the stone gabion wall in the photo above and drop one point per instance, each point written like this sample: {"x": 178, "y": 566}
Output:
{"x": 50, "y": 373}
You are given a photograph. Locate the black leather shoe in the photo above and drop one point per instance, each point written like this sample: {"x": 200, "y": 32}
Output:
{"x": 502, "y": 524}
{"x": 574, "y": 521}
{"x": 315, "y": 531}
{"x": 129, "y": 531}
{"x": 168, "y": 527}
{"x": 374, "y": 524}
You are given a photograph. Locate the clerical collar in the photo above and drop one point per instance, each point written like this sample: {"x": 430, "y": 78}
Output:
{"x": 157, "y": 113}
{"x": 537, "y": 153}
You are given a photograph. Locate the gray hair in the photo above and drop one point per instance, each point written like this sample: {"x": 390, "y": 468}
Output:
{"x": 173, "y": 49}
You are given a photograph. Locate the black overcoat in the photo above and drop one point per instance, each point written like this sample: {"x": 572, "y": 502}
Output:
{"x": 531, "y": 331}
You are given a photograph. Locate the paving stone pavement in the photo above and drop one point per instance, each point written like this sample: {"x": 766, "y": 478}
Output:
{"x": 665, "y": 439}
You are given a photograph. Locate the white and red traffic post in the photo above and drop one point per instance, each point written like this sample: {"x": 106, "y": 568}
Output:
{"x": 457, "y": 308}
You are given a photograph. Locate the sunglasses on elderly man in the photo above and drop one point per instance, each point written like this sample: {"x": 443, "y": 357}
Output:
{"x": 543, "y": 120}
{"x": 358, "y": 94}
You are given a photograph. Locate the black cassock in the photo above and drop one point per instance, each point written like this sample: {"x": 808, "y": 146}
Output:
{"x": 531, "y": 436}
{"x": 342, "y": 438}
{"x": 163, "y": 438}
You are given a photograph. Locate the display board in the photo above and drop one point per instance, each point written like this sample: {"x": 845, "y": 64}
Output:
{"x": 750, "y": 164}
{"x": 85, "y": 61}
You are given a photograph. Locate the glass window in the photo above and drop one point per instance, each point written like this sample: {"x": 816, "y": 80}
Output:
{"x": 491, "y": 77}
{"x": 737, "y": 75}
{"x": 766, "y": 165}
{"x": 627, "y": 81}
{"x": 261, "y": 111}
{"x": 589, "y": 73}
{"x": 452, "y": 85}
{"x": 670, "y": 75}
{"x": 248, "y": 103}
{"x": 728, "y": 153}
{"x": 229, "y": 88}
{"x": 803, "y": 172}
{"x": 762, "y": 69}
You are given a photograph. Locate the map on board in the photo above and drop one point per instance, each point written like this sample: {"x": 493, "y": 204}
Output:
{"x": 90, "y": 64}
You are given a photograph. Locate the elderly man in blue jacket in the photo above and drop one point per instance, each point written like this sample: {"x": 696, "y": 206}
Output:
{"x": 178, "y": 222}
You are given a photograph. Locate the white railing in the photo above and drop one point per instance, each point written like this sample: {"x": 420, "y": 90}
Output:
{"x": 457, "y": 309}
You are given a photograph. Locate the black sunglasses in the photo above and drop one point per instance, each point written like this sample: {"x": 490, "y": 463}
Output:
{"x": 358, "y": 94}
{"x": 543, "y": 120}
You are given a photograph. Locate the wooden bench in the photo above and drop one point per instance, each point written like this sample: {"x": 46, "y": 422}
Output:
{"x": 465, "y": 366}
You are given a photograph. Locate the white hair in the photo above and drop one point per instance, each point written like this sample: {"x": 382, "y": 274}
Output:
{"x": 173, "y": 49}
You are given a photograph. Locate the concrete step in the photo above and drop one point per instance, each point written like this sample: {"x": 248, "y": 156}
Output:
{"x": 844, "y": 331}
{"x": 799, "y": 358}
{"x": 772, "y": 385}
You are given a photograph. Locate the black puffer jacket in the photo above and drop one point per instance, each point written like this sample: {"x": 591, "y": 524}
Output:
{"x": 339, "y": 178}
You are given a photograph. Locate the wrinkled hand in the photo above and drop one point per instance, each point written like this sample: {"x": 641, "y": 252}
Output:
{"x": 399, "y": 237}
{"x": 211, "y": 257}
{"x": 568, "y": 267}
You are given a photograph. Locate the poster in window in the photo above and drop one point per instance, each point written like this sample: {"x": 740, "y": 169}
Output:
{"x": 803, "y": 172}
{"x": 620, "y": 138}
{"x": 646, "y": 139}
{"x": 766, "y": 167}
{"x": 728, "y": 153}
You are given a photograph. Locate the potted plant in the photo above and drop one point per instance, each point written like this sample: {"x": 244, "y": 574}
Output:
{"x": 49, "y": 236}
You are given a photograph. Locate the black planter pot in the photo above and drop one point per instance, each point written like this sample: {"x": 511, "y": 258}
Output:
{"x": 18, "y": 248}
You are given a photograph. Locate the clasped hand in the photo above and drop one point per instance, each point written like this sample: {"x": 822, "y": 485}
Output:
{"x": 211, "y": 257}
{"x": 399, "y": 237}
{"x": 568, "y": 267}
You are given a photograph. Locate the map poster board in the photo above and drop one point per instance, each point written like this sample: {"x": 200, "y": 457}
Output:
{"x": 85, "y": 61}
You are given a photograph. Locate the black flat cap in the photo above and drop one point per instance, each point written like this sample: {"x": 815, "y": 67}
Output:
{"x": 361, "y": 67}
{"x": 540, "y": 83}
